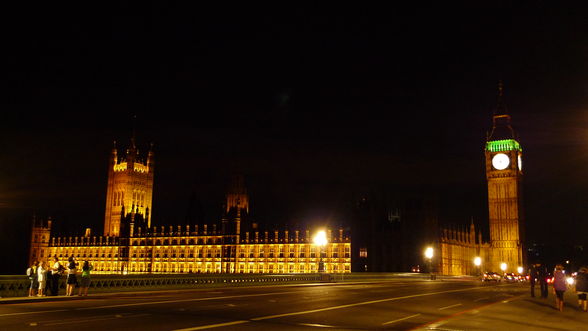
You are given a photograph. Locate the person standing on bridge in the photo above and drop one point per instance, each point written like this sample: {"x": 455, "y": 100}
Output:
{"x": 42, "y": 274}
{"x": 72, "y": 279}
{"x": 559, "y": 286}
{"x": 533, "y": 277}
{"x": 85, "y": 282}
{"x": 542, "y": 275}
{"x": 582, "y": 288}
{"x": 34, "y": 278}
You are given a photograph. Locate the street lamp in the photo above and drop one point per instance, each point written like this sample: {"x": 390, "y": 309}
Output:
{"x": 429, "y": 256}
{"x": 320, "y": 239}
{"x": 520, "y": 270}
{"x": 503, "y": 267}
{"x": 478, "y": 263}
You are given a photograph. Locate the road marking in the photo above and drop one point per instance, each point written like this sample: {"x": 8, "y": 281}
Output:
{"x": 201, "y": 327}
{"x": 148, "y": 303}
{"x": 358, "y": 304}
{"x": 92, "y": 319}
{"x": 445, "y": 319}
{"x": 210, "y": 326}
{"x": 480, "y": 299}
{"x": 33, "y": 312}
{"x": 455, "y": 305}
{"x": 230, "y": 305}
{"x": 316, "y": 325}
{"x": 185, "y": 300}
{"x": 401, "y": 319}
{"x": 33, "y": 324}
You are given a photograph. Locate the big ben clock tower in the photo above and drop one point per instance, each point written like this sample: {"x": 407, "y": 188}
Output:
{"x": 504, "y": 173}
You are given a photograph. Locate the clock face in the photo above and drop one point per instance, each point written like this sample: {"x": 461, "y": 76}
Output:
{"x": 520, "y": 163}
{"x": 500, "y": 161}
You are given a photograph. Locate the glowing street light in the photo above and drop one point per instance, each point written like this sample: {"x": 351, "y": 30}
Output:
{"x": 520, "y": 270}
{"x": 320, "y": 239}
{"x": 503, "y": 267}
{"x": 478, "y": 263}
{"x": 429, "y": 252}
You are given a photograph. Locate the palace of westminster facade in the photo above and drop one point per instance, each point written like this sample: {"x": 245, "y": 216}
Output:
{"x": 130, "y": 244}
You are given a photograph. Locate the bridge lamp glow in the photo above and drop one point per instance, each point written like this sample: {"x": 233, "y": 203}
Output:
{"x": 503, "y": 266}
{"x": 429, "y": 253}
{"x": 477, "y": 261}
{"x": 320, "y": 238}
{"x": 520, "y": 270}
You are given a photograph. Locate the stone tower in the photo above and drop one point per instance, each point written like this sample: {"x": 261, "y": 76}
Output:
{"x": 504, "y": 173}
{"x": 40, "y": 234}
{"x": 236, "y": 208}
{"x": 129, "y": 194}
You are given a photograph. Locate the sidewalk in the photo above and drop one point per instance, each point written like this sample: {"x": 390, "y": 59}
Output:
{"x": 518, "y": 313}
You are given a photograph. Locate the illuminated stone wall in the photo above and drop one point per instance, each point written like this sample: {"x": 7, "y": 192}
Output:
{"x": 196, "y": 250}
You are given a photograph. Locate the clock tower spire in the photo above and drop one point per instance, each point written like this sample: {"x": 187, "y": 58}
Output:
{"x": 504, "y": 175}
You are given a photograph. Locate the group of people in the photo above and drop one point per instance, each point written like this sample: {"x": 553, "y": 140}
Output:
{"x": 538, "y": 272}
{"x": 45, "y": 277}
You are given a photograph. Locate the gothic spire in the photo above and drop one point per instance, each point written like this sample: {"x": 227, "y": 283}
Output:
{"x": 501, "y": 128}
{"x": 500, "y": 104}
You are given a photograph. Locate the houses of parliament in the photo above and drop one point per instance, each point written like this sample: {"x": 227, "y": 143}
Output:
{"x": 130, "y": 244}
{"x": 389, "y": 239}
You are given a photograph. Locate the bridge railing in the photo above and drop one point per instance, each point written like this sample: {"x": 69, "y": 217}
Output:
{"x": 11, "y": 286}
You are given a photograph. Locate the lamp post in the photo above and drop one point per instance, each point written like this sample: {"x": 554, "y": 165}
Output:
{"x": 429, "y": 255}
{"x": 503, "y": 268}
{"x": 320, "y": 239}
{"x": 478, "y": 263}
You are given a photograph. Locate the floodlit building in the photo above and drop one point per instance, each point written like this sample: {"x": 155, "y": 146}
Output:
{"x": 504, "y": 174}
{"x": 130, "y": 244}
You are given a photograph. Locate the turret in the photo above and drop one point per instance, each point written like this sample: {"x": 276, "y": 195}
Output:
{"x": 40, "y": 233}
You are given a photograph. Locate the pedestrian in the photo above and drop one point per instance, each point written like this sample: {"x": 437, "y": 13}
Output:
{"x": 85, "y": 282}
{"x": 72, "y": 280}
{"x": 542, "y": 275}
{"x": 42, "y": 278}
{"x": 56, "y": 272}
{"x": 34, "y": 278}
{"x": 559, "y": 286}
{"x": 533, "y": 275}
{"x": 582, "y": 288}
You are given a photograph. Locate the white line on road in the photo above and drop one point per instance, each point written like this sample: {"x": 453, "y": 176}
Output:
{"x": 401, "y": 319}
{"x": 148, "y": 303}
{"x": 359, "y": 304}
{"x": 455, "y": 305}
{"x": 185, "y": 300}
{"x": 210, "y": 326}
{"x": 201, "y": 327}
{"x": 34, "y": 312}
{"x": 480, "y": 299}
{"x": 316, "y": 325}
{"x": 92, "y": 319}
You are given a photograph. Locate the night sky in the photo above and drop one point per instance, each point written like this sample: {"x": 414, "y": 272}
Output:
{"x": 313, "y": 105}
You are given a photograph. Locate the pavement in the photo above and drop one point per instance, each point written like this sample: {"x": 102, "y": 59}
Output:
{"x": 518, "y": 312}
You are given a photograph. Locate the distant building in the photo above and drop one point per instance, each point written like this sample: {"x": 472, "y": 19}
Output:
{"x": 130, "y": 244}
{"x": 390, "y": 230}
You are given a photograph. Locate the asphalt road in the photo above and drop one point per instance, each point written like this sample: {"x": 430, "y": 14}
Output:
{"x": 400, "y": 304}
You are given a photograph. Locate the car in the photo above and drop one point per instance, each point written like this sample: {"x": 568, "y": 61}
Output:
{"x": 491, "y": 276}
{"x": 510, "y": 277}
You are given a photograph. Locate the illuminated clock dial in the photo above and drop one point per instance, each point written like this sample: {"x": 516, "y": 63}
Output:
{"x": 520, "y": 161}
{"x": 500, "y": 161}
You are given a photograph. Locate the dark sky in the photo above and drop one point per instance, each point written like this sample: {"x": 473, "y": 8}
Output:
{"x": 311, "y": 104}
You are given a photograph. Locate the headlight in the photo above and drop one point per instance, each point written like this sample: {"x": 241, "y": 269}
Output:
{"x": 570, "y": 280}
